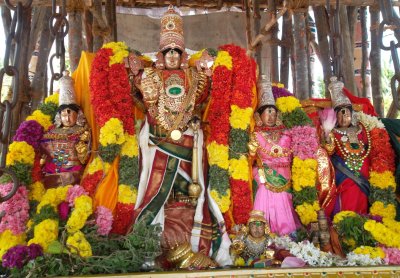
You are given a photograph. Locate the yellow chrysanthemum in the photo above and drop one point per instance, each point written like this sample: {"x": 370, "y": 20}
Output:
{"x": 392, "y": 224}
{"x": 53, "y": 98}
{"x": 372, "y": 252}
{"x": 83, "y": 209}
{"x": 20, "y": 152}
{"x": 130, "y": 148}
{"x": 120, "y": 51}
{"x": 98, "y": 164}
{"x": 287, "y": 104}
{"x": 36, "y": 191}
{"x": 382, "y": 234}
{"x": 9, "y": 240}
{"x": 42, "y": 119}
{"x": 126, "y": 194}
{"x": 382, "y": 180}
{"x": 378, "y": 208}
{"x": 307, "y": 212}
{"x": 84, "y": 203}
{"x": 223, "y": 59}
{"x": 112, "y": 133}
{"x": 194, "y": 57}
{"x": 239, "y": 168}
{"x": 343, "y": 214}
{"x": 223, "y": 202}
{"x": 218, "y": 155}
{"x": 44, "y": 233}
{"x": 77, "y": 243}
{"x": 240, "y": 262}
{"x": 62, "y": 193}
{"x": 350, "y": 242}
{"x": 240, "y": 118}
{"x": 304, "y": 173}
{"x": 49, "y": 198}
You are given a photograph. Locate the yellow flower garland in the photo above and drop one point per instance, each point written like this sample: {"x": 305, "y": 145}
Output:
{"x": 304, "y": 173}
{"x": 239, "y": 168}
{"x": 78, "y": 244}
{"x": 223, "y": 59}
{"x": 98, "y": 164}
{"x": 120, "y": 51}
{"x": 45, "y": 233}
{"x": 112, "y": 133}
{"x": 53, "y": 98}
{"x": 382, "y": 234}
{"x": 308, "y": 212}
{"x": 36, "y": 191}
{"x": 83, "y": 208}
{"x": 42, "y": 119}
{"x": 392, "y": 225}
{"x": 218, "y": 155}
{"x": 382, "y": 180}
{"x": 130, "y": 148}
{"x": 9, "y": 240}
{"x": 223, "y": 202}
{"x": 372, "y": 252}
{"x": 287, "y": 104}
{"x": 343, "y": 214}
{"x": 20, "y": 152}
{"x": 196, "y": 56}
{"x": 53, "y": 197}
{"x": 240, "y": 118}
{"x": 378, "y": 208}
{"x": 126, "y": 194}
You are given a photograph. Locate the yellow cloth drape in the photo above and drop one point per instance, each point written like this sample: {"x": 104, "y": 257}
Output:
{"x": 107, "y": 191}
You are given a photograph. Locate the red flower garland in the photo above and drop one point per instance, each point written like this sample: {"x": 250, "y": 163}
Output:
{"x": 90, "y": 182}
{"x": 36, "y": 169}
{"x": 123, "y": 218}
{"x": 382, "y": 154}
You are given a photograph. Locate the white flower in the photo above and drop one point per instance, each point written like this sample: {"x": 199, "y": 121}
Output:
{"x": 370, "y": 122}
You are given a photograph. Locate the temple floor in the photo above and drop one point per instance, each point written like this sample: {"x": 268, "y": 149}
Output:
{"x": 373, "y": 271}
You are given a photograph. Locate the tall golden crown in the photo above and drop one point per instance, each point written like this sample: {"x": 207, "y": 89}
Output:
{"x": 171, "y": 35}
{"x": 256, "y": 215}
{"x": 265, "y": 95}
{"x": 338, "y": 97}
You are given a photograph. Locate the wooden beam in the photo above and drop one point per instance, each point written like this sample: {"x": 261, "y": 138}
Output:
{"x": 213, "y": 4}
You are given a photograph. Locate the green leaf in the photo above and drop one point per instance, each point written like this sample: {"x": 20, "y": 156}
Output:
{"x": 55, "y": 247}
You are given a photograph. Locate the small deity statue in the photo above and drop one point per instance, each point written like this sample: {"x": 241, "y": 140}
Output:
{"x": 271, "y": 146}
{"x": 65, "y": 146}
{"x": 251, "y": 243}
{"x": 349, "y": 145}
{"x": 172, "y": 190}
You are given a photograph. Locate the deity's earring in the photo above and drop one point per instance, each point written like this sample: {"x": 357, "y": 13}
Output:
{"x": 267, "y": 231}
{"x": 245, "y": 230}
{"x": 257, "y": 118}
{"x": 160, "y": 61}
{"x": 184, "y": 60}
{"x": 81, "y": 119}
{"x": 278, "y": 119}
{"x": 57, "y": 120}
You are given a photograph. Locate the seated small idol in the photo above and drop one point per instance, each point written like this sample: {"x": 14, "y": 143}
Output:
{"x": 272, "y": 149}
{"x": 252, "y": 241}
{"x": 65, "y": 146}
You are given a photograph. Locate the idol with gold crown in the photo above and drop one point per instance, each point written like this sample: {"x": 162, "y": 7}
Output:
{"x": 271, "y": 146}
{"x": 66, "y": 145}
{"x": 252, "y": 241}
{"x": 172, "y": 190}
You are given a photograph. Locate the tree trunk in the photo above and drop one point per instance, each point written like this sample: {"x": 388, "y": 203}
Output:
{"x": 88, "y": 22}
{"x": 285, "y": 49}
{"x": 365, "y": 73}
{"x": 75, "y": 44}
{"x": 96, "y": 29}
{"x": 257, "y": 30}
{"x": 301, "y": 56}
{"x": 248, "y": 23}
{"x": 273, "y": 47}
{"x": 322, "y": 24}
{"x": 39, "y": 82}
{"x": 38, "y": 20}
{"x": 352, "y": 19}
{"x": 375, "y": 59}
{"x": 347, "y": 61}
{"x": 21, "y": 110}
{"x": 111, "y": 16}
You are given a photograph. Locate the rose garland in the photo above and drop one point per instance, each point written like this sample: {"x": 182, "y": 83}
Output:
{"x": 217, "y": 145}
{"x": 112, "y": 105}
{"x": 243, "y": 93}
{"x": 304, "y": 147}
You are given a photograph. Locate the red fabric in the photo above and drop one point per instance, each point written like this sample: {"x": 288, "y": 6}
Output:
{"x": 368, "y": 108}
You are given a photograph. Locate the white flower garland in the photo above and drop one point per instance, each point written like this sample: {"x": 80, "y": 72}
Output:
{"x": 370, "y": 122}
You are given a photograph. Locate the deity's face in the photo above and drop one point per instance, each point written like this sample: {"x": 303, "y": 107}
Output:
{"x": 257, "y": 229}
{"x": 323, "y": 225}
{"x": 343, "y": 116}
{"x": 269, "y": 116}
{"x": 172, "y": 59}
{"x": 68, "y": 117}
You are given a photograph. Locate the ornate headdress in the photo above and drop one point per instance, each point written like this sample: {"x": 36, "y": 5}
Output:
{"x": 171, "y": 35}
{"x": 67, "y": 91}
{"x": 265, "y": 94}
{"x": 338, "y": 97}
{"x": 256, "y": 215}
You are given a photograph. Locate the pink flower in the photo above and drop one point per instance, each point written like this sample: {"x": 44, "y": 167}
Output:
{"x": 104, "y": 220}
{"x": 328, "y": 119}
{"x": 16, "y": 209}
{"x": 392, "y": 255}
{"x": 304, "y": 141}
{"x": 63, "y": 210}
{"x": 75, "y": 192}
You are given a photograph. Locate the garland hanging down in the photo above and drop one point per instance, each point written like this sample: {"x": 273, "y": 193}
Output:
{"x": 112, "y": 105}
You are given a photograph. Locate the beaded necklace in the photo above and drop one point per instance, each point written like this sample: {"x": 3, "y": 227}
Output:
{"x": 354, "y": 153}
